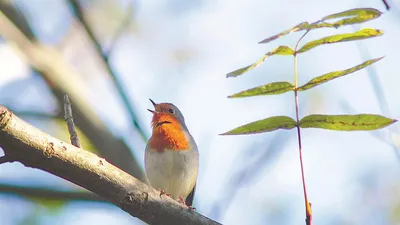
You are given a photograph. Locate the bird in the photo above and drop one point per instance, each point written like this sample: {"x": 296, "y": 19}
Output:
{"x": 171, "y": 155}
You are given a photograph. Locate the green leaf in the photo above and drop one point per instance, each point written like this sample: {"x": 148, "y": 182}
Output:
{"x": 281, "y": 50}
{"x": 267, "y": 89}
{"x": 359, "y": 35}
{"x": 298, "y": 27}
{"x": 333, "y": 75}
{"x": 346, "y": 122}
{"x": 265, "y": 125}
{"x": 354, "y": 16}
{"x": 357, "y": 15}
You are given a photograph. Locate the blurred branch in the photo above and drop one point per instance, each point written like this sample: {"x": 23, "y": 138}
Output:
{"x": 61, "y": 79}
{"x": 380, "y": 95}
{"x": 36, "y": 115}
{"x": 70, "y": 122}
{"x": 34, "y": 192}
{"x": 250, "y": 172}
{"x": 125, "y": 23}
{"x": 77, "y": 9}
{"x": 34, "y": 148}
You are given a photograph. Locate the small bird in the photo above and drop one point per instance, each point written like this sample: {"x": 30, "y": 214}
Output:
{"x": 171, "y": 157}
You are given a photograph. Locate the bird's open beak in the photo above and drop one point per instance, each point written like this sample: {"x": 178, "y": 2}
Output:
{"x": 154, "y": 104}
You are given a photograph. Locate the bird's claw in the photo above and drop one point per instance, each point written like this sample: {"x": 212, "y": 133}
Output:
{"x": 162, "y": 192}
{"x": 182, "y": 201}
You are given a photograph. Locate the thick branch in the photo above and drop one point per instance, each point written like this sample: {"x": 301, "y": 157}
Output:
{"x": 33, "y": 148}
{"x": 35, "y": 192}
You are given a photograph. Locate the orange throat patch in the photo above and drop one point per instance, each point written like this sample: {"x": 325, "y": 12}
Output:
{"x": 167, "y": 134}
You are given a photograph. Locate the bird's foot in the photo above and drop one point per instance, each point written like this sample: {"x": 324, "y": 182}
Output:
{"x": 182, "y": 201}
{"x": 162, "y": 192}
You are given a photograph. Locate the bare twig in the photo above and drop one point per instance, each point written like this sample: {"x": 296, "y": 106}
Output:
{"x": 46, "y": 193}
{"x": 34, "y": 148}
{"x": 386, "y": 4}
{"x": 70, "y": 122}
{"x": 77, "y": 9}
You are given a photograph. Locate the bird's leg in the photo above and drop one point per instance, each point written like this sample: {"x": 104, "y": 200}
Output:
{"x": 162, "y": 192}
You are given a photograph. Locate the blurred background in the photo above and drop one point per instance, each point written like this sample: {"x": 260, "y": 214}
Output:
{"x": 111, "y": 56}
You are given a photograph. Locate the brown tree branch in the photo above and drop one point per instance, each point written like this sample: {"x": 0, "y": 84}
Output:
{"x": 45, "y": 193}
{"x": 34, "y": 148}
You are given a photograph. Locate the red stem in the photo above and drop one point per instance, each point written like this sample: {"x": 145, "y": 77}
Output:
{"x": 307, "y": 203}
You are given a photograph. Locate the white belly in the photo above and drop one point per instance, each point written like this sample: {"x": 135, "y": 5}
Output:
{"x": 174, "y": 172}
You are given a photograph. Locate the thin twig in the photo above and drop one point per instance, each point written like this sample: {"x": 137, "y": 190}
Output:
{"x": 124, "y": 24}
{"x": 77, "y": 9}
{"x": 386, "y": 4}
{"x": 70, "y": 122}
{"x": 296, "y": 96}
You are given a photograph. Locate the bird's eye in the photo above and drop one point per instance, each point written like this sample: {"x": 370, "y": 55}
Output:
{"x": 172, "y": 111}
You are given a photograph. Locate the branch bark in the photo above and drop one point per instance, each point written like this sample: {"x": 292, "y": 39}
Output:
{"x": 26, "y": 144}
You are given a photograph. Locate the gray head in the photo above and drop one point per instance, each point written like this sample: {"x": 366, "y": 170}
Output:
{"x": 170, "y": 109}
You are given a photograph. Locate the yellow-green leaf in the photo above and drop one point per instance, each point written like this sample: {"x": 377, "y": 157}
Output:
{"x": 353, "y": 16}
{"x": 357, "y": 15}
{"x": 265, "y": 125}
{"x": 346, "y": 122}
{"x": 267, "y": 89}
{"x": 281, "y": 50}
{"x": 359, "y": 35}
{"x": 298, "y": 27}
{"x": 333, "y": 75}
